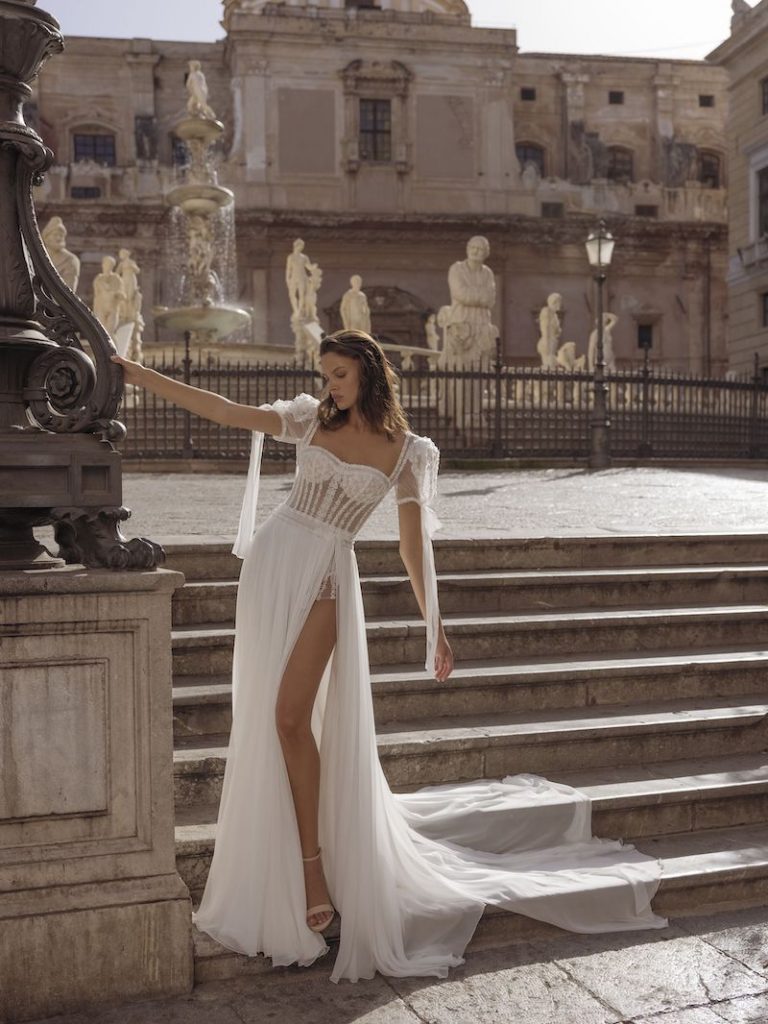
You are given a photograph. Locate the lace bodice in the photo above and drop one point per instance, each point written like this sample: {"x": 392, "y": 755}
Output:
{"x": 342, "y": 495}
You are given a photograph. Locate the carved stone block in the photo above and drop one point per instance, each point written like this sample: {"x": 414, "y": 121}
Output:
{"x": 91, "y": 906}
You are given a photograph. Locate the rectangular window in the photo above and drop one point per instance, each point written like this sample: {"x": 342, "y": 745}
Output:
{"x": 762, "y": 199}
{"x": 615, "y": 97}
{"x": 553, "y": 211}
{"x": 764, "y": 91}
{"x": 646, "y": 211}
{"x": 706, "y": 100}
{"x": 528, "y": 93}
{"x": 99, "y": 148}
{"x": 645, "y": 335}
{"x": 85, "y": 192}
{"x": 376, "y": 130}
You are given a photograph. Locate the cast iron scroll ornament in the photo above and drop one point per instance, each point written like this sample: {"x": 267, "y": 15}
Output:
{"x": 64, "y": 392}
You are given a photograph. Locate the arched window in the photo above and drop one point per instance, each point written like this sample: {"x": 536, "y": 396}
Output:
{"x": 710, "y": 174}
{"x": 530, "y": 153}
{"x": 620, "y": 166}
{"x": 94, "y": 144}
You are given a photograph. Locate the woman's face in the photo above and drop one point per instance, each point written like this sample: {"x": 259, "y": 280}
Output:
{"x": 341, "y": 375}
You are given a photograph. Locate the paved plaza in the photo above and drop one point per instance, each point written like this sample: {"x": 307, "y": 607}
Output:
{"x": 699, "y": 971}
{"x": 510, "y": 503}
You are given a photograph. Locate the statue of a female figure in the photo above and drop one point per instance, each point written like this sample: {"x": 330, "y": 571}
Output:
{"x": 550, "y": 329}
{"x": 197, "y": 92}
{"x": 355, "y": 311}
{"x": 609, "y": 357}
{"x": 108, "y": 296}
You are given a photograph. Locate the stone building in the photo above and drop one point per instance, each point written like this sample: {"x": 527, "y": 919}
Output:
{"x": 385, "y": 133}
{"x": 745, "y": 56}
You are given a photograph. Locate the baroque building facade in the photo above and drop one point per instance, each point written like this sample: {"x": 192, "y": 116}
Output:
{"x": 385, "y": 133}
{"x": 745, "y": 56}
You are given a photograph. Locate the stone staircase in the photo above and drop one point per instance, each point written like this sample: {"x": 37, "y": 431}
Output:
{"x": 632, "y": 668}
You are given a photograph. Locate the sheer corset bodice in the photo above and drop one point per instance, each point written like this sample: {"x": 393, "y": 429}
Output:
{"x": 338, "y": 494}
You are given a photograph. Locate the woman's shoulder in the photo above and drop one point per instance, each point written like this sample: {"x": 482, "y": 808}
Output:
{"x": 421, "y": 445}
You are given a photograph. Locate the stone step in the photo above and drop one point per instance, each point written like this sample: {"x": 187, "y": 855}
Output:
{"x": 641, "y": 801}
{"x": 213, "y": 601}
{"x": 212, "y": 558}
{"x": 492, "y": 746}
{"x": 703, "y": 873}
{"x": 207, "y": 650}
{"x": 202, "y": 705}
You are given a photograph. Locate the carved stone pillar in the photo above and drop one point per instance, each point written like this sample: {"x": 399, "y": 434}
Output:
{"x": 59, "y": 392}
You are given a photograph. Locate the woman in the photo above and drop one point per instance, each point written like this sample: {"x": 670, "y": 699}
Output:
{"x": 409, "y": 874}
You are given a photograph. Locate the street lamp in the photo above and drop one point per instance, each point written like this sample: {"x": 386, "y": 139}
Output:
{"x": 599, "y": 252}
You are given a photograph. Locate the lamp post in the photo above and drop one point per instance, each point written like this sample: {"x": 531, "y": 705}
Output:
{"x": 599, "y": 246}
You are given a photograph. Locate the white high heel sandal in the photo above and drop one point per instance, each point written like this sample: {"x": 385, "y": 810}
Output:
{"x": 322, "y": 907}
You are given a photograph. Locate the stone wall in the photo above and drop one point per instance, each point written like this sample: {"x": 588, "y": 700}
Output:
{"x": 745, "y": 56}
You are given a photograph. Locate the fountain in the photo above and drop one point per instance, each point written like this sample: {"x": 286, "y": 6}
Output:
{"x": 202, "y": 230}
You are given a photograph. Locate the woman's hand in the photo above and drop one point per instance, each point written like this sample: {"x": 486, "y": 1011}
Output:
{"x": 443, "y": 659}
{"x": 132, "y": 372}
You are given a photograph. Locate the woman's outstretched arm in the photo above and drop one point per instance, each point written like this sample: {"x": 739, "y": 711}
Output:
{"x": 412, "y": 554}
{"x": 203, "y": 403}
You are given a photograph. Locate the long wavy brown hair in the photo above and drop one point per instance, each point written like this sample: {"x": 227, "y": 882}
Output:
{"x": 377, "y": 401}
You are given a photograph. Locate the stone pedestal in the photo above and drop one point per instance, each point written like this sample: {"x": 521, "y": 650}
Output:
{"x": 91, "y": 907}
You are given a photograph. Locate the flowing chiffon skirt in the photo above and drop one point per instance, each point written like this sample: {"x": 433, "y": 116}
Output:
{"x": 410, "y": 874}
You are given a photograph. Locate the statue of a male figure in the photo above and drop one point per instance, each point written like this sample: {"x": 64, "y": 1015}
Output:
{"x": 470, "y": 333}
{"x": 54, "y": 236}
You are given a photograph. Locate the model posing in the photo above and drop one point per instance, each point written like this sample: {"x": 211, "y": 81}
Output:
{"x": 307, "y": 822}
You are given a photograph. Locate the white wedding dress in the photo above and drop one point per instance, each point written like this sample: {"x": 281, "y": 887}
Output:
{"x": 409, "y": 874}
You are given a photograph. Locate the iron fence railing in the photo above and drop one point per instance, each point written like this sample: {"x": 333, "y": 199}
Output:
{"x": 483, "y": 411}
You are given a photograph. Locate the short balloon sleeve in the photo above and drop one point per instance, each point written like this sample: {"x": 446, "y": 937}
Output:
{"x": 417, "y": 481}
{"x": 297, "y": 418}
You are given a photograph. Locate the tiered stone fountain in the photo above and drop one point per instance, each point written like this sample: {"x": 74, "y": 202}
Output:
{"x": 203, "y": 210}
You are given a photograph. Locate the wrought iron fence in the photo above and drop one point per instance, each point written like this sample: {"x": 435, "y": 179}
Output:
{"x": 482, "y": 411}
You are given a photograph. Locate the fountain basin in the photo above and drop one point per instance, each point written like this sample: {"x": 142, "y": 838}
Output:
{"x": 200, "y": 199}
{"x": 203, "y": 129}
{"x": 222, "y": 319}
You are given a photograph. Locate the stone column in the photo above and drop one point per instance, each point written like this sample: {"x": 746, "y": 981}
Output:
{"x": 91, "y": 907}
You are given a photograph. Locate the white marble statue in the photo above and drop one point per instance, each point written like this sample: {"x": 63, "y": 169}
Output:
{"x": 470, "y": 334}
{"x": 567, "y": 358}
{"x": 530, "y": 177}
{"x": 609, "y": 357}
{"x": 303, "y": 279}
{"x": 131, "y": 317}
{"x": 205, "y": 284}
{"x": 298, "y": 269}
{"x": 355, "y": 311}
{"x": 54, "y": 237}
{"x": 108, "y": 296}
{"x": 197, "y": 92}
{"x": 432, "y": 333}
{"x": 550, "y": 330}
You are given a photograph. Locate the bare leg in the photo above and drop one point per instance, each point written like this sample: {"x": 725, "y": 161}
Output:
{"x": 295, "y": 700}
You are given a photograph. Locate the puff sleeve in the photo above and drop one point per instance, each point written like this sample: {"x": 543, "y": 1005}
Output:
{"x": 417, "y": 481}
{"x": 297, "y": 417}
